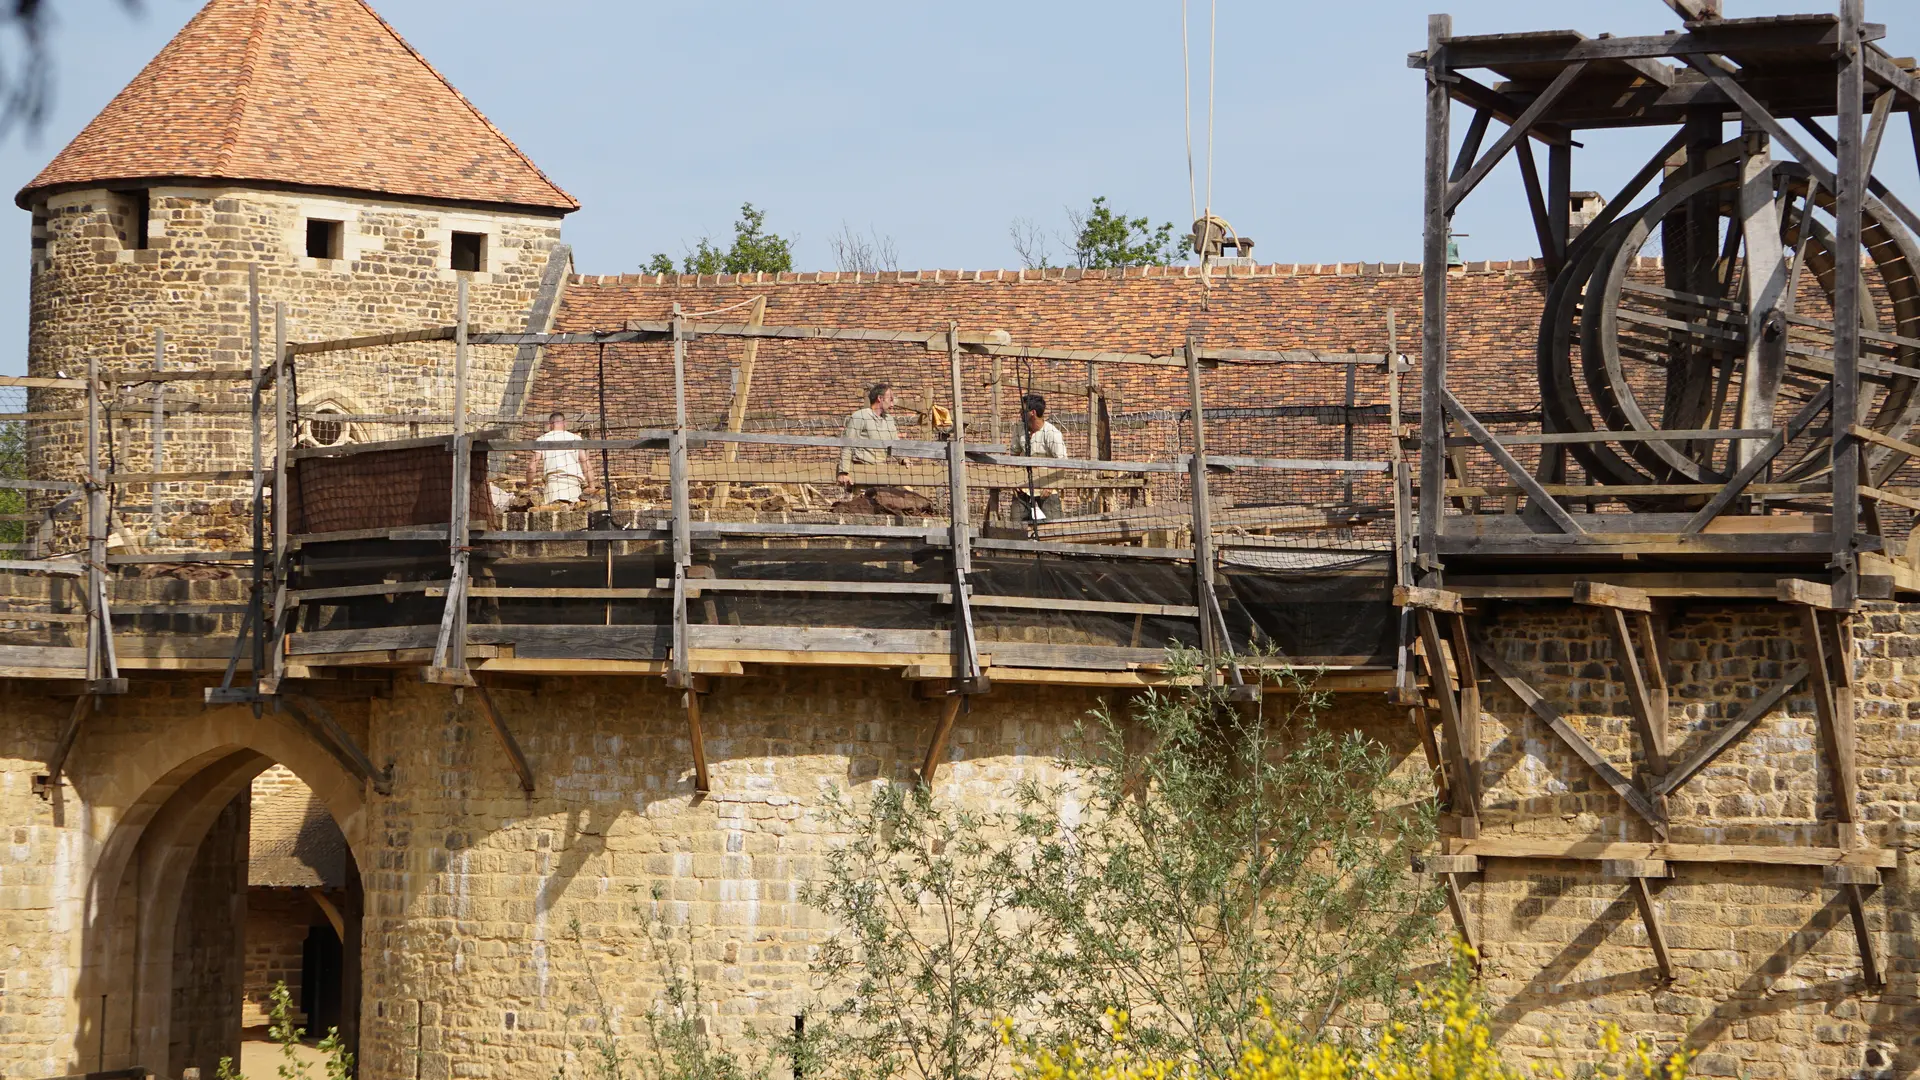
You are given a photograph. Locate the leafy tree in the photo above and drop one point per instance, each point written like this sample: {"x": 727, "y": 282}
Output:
{"x": 1104, "y": 239}
{"x": 13, "y": 466}
{"x": 754, "y": 250}
{"x": 1204, "y": 867}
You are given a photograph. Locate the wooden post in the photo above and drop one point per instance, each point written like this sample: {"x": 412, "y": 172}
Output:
{"x": 966, "y": 658}
{"x": 1433, "y": 329}
{"x": 459, "y": 531}
{"x": 993, "y": 403}
{"x": 258, "y": 600}
{"x": 96, "y": 525}
{"x": 282, "y": 440}
{"x": 1202, "y": 512}
{"x": 737, "y": 409}
{"x": 1346, "y": 444}
{"x": 158, "y": 509}
{"x": 1846, "y": 302}
{"x": 679, "y": 334}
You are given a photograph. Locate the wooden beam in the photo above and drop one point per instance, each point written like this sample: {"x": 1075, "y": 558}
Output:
{"x": 696, "y": 737}
{"x": 937, "y": 744}
{"x": 1457, "y": 906}
{"x": 336, "y": 739}
{"x": 63, "y": 743}
{"x": 1461, "y": 781}
{"x": 507, "y": 742}
{"x": 1802, "y": 593}
{"x": 1835, "y": 711}
{"x": 1413, "y": 596}
{"x": 1849, "y": 202}
{"x": 1619, "y": 597}
{"x": 1856, "y": 898}
{"x": 1650, "y": 917}
{"x": 743, "y": 387}
{"x": 1458, "y": 190}
{"x": 1717, "y": 744}
{"x": 1695, "y": 10}
{"x": 1531, "y": 847}
{"x": 1652, "y": 726}
{"x": 1536, "y": 495}
{"x": 1433, "y": 274}
{"x": 1574, "y": 741}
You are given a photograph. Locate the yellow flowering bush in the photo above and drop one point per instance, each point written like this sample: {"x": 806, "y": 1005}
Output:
{"x": 1454, "y": 1043}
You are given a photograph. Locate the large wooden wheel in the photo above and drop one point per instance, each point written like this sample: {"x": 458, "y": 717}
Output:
{"x": 1622, "y": 348}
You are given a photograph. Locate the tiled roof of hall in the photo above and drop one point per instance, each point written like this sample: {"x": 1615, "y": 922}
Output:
{"x": 313, "y": 94}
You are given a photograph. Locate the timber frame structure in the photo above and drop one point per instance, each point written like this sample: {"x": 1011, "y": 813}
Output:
{"x": 1735, "y": 444}
{"x": 333, "y": 611}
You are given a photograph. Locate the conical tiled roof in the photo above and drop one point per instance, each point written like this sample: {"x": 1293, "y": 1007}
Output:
{"x": 318, "y": 93}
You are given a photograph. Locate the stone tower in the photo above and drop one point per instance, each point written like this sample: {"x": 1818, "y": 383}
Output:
{"x": 304, "y": 136}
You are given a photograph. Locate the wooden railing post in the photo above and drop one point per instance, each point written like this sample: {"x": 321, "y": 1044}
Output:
{"x": 1433, "y": 327}
{"x": 258, "y": 599}
{"x": 966, "y": 656}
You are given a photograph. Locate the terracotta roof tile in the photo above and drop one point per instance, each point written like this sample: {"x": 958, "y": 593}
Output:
{"x": 320, "y": 93}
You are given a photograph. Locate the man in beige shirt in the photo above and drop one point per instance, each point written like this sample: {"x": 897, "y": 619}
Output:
{"x": 875, "y": 423}
{"x": 1036, "y": 437}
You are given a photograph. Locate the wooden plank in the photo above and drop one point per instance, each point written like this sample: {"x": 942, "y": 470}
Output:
{"x": 1879, "y": 494}
{"x": 350, "y": 449}
{"x": 1236, "y": 461}
{"x": 1574, "y": 741}
{"x": 827, "y": 638}
{"x": 509, "y": 592}
{"x": 368, "y": 341}
{"x": 1601, "y": 594}
{"x": 369, "y": 638}
{"x": 592, "y": 641}
{"x": 937, "y": 743}
{"x": 1041, "y": 603}
{"x": 404, "y": 532}
{"x": 1116, "y": 551}
{"x": 66, "y": 567}
{"x": 941, "y": 593}
{"x": 34, "y": 382}
{"x": 385, "y": 588}
{"x": 1293, "y": 356}
{"x": 157, "y": 375}
{"x": 1537, "y": 847}
{"x": 1536, "y": 495}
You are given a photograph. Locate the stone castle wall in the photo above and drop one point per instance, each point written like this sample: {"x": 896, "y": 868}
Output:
{"x": 495, "y": 918}
{"x": 98, "y": 292}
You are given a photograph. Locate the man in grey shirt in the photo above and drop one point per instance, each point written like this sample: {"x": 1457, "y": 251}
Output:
{"x": 875, "y": 422}
{"x": 1036, "y": 437}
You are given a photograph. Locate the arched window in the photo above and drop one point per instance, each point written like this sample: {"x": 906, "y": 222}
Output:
{"x": 318, "y": 428}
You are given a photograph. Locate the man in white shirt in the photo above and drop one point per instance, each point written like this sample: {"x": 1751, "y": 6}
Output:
{"x": 1036, "y": 437}
{"x": 561, "y": 475}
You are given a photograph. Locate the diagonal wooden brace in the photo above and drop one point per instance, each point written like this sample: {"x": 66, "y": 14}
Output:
{"x": 937, "y": 745}
{"x": 1624, "y": 611}
{"x": 337, "y": 741}
{"x": 63, "y": 745}
{"x": 507, "y": 742}
{"x": 1536, "y": 494}
{"x": 1833, "y": 703}
{"x": 1459, "y": 751}
{"x": 1750, "y": 717}
{"x": 1576, "y": 742}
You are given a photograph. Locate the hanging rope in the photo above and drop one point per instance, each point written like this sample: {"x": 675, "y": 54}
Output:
{"x": 1186, "y": 110}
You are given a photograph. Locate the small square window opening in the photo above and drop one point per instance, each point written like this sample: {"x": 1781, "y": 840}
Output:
{"x": 469, "y": 251}
{"x": 323, "y": 238}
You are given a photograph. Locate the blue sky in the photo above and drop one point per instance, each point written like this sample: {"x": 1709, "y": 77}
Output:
{"x": 935, "y": 125}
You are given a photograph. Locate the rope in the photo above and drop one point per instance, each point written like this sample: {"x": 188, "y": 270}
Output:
{"x": 1213, "y": 27}
{"x": 1186, "y": 101}
{"x": 729, "y": 307}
